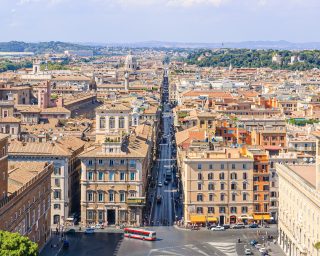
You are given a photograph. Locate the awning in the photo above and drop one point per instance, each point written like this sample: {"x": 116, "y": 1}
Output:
{"x": 212, "y": 219}
{"x": 197, "y": 218}
{"x": 245, "y": 217}
{"x": 261, "y": 217}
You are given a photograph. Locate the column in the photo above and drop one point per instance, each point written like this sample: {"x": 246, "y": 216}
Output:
{"x": 107, "y": 123}
{"x": 126, "y": 123}
{"x": 117, "y": 123}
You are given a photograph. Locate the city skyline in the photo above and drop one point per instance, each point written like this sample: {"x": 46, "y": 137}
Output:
{"x": 119, "y": 21}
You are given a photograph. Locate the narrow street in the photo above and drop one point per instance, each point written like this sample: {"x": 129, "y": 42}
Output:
{"x": 163, "y": 211}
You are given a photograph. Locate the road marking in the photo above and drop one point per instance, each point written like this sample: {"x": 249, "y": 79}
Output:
{"x": 227, "y": 248}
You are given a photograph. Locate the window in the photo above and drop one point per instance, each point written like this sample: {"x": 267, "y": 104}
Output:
{"x": 199, "y": 186}
{"x": 100, "y": 176}
{"x": 210, "y": 209}
{"x": 56, "y": 206}
{"x": 111, "y": 196}
{"x": 100, "y": 216}
{"x": 233, "y": 209}
{"x": 102, "y": 122}
{"x": 100, "y": 196}
{"x": 132, "y": 193}
{"x": 210, "y": 166}
{"x": 199, "y": 166}
{"x": 221, "y": 197}
{"x": 233, "y": 176}
{"x": 122, "y": 176}
{"x": 255, "y": 188}
{"x": 111, "y": 163}
{"x": 100, "y": 162}
{"x": 211, "y": 197}
{"x": 132, "y": 164}
{"x": 244, "y": 209}
{"x": 221, "y": 176}
{"x": 132, "y": 175}
{"x": 265, "y": 197}
{"x": 57, "y": 171}
{"x": 233, "y": 166}
{"x": 90, "y": 175}
{"x": 244, "y": 185}
{"x": 90, "y": 162}
{"x": 244, "y": 176}
{"x": 233, "y": 197}
{"x": 210, "y": 176}
{"x": 222, "y": 166}
{"x": 222, "y": 186}
{"x": 122, "y": 162}
{"x": 244, "y": 196}
{"x": 57, "y": 194}
{"x": 199, "y": 176}
{"x": 199, "y": 210}
{"x": 199, "y": 198}
{"x": 233, "y": 186}
{"x": 90, "y": 196}
{"x": 121, "y": 122}
{"x": 210, "y": 186}
{"x": 222, "y": 209}
{"x": 266, "y": 187}
{"x": 122, "y": 197}
{"x": 256, "y": 197}
{"x": 57, "y": 182}
{"x": 111, "y": 175}
{"x": 244, "y": 166}
{"x": 90, "y": 215}
{"x": 112, "y": 123}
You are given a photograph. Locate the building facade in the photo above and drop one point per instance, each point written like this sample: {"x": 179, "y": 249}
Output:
{"x": 27, "y": 207}
{"x": 217, "y": 186}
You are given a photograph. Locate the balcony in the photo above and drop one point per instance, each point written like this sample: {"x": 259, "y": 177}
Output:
{"x": 136, "y": 201}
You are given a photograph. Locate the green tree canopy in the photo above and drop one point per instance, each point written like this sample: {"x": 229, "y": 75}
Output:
{"x": 13, "y": 244}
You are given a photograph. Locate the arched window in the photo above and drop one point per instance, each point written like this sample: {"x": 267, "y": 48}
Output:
{"x": 102, "y": 122}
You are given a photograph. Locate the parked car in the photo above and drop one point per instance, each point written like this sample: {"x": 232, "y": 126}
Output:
{"x": 253, "y": 242}
{"x": 160, "y": 184}
{"x": 99, "y": 226}
{"x": 211, "y": 226}
{"x": 248, "y": 252}
{"x": 254, "y": 225}
{"x": 217, "y": 228}
{"x": 166, "y": 182}
{"x": 226, "y": 226}
{"x": 239, "y": 226}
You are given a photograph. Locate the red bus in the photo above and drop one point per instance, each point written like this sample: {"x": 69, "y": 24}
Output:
{"x": 140, "y": 234}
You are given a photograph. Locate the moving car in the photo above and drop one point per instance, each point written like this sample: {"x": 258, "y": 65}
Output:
{"x": 159, "y": 198}
{"x": 248, "y": 252}
{"x": 89, "y": 231}
{"x": 160, "y": 184}
{"x": 254, "y": 225}
{"x": 166, "y": 182}
{"x": 217, "y": 228}
{"x": 253, "y": 242}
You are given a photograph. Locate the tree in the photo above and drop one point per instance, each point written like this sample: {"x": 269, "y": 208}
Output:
{"x": 13, "y": 244}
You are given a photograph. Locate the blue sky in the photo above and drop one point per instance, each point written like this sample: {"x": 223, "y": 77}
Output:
{"x": 162, "y": 20}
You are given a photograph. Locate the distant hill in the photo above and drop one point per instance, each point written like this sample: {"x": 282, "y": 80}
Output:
{"x": 280, "y": 45}
{"x": 43, "y": 47}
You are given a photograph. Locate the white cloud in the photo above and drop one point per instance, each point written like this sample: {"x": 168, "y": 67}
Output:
{"x": 50, "y": 2}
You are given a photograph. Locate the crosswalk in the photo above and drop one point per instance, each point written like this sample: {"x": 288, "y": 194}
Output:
{"x": 199, "y": 249}
{"x": 228, "y": 249}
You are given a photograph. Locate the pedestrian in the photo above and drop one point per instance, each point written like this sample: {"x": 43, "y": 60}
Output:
{"x": 57, "y": 231}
